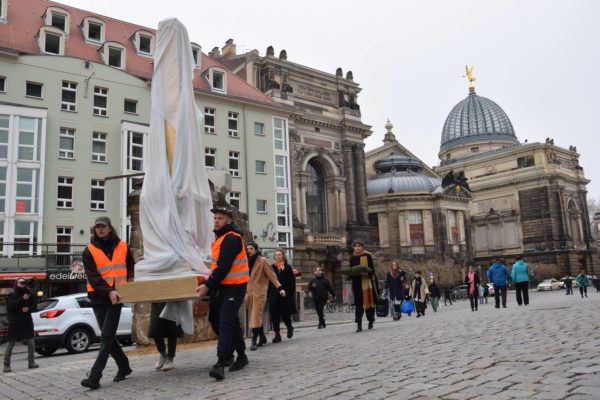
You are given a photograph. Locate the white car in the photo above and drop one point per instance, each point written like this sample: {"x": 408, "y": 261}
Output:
{"x": 69, "y": 322}
{"x": 549, "y": 284}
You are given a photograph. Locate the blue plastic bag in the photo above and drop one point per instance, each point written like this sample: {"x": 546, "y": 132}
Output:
{"x": 407, "y": 307}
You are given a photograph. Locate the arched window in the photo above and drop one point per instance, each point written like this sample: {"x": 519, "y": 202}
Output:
{"x": 316, "y": 207}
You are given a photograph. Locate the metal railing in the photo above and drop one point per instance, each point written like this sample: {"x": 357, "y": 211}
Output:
{"x": 61, "y": 254}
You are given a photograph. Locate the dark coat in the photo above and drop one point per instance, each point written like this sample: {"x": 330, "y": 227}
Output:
{"x": 101, "y": 287}
{"x": 287, "y": 304}
{"x": 395, "y": 286}
{"x": 162, "y": 328}
{"x": 477, "y": 282}
{"x": 357, "y": 280}
{"x": 20, "y": 324}
{"x": 434, "y": 290}
{"x": 319, "y": 287}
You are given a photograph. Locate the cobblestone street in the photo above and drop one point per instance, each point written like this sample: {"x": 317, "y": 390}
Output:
{"x": 548, "y": 350}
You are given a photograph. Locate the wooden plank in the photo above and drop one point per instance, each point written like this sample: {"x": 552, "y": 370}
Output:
{"x": 160, "y": 290}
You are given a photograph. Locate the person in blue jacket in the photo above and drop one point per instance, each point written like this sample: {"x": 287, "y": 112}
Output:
{"x": 499, "y": 276}
{"x": 520, "y": 275}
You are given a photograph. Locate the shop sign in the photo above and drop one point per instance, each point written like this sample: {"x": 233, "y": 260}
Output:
{"x": 76, "y": 273}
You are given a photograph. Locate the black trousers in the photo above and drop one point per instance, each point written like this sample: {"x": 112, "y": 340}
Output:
{"x": 171, "y": 343}
{"x": 582, "y": 290}
{"x": 359, "y": 311}
{"x": 319, "y": 305}
{"x": 224, "y": 318}
{"x": 108, "y": 316}
{"x": 473, "y": 300}
{"x": 279, "y": 312}
{"x": 500, "y": 291}
{"x": 522, "y": 289}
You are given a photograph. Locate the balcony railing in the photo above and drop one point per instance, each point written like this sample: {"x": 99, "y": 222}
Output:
{"x": 328, "y": 238}
{"x": 57, "y": 253}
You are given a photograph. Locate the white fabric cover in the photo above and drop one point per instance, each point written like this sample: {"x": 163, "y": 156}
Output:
{"x": 175, "y": 215}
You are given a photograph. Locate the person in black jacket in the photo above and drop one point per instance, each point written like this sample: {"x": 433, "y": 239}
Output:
{"x": 282, "y": 308}
{"x": 320, "y": 287}
{"x": 472, "y": 281}
{"x": 434, "y": 295}
{"x": 109, "y": 251}
{"x": 19, "y": 306}
{"x": 394, "y": 283}
{"x": 363, "y": 286}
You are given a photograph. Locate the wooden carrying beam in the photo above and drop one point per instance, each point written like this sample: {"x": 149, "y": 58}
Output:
{"x": 160, "y": 290}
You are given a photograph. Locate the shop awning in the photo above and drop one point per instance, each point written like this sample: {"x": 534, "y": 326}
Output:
{"x": 8, "y": 276}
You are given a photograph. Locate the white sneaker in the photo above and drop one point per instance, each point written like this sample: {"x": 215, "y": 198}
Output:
{"x": 161, "y": 362}
{"x": 168, "y": 365}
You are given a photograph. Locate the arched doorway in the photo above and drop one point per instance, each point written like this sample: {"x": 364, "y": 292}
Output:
{"x": 316, "y": 204}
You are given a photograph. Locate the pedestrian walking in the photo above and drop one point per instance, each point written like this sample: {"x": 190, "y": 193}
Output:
{"x": 520, "y": 276}
{"x": 226, "y": 286}
{"x": 472, "y": 281}
{"x": 419, "y": 292}
{"x": 583, "y": 282}
{"x": 282, "y": 308}
{"x": 434, "y": 295}
{"x": 159, "y": 330}
{"x": 394, "y": 284}
{"x": 320, "y": 289}
{"x": 499, "y": 276}
{"x": 107, "y": 261}
{"x": 364, "y": 286}
{"x": 20, "y": 303}
{"x": 261, "y": 274}
{"x": 486, "y": 291}
{"x": 569, "y": 285}
{"x": 447, "y": 295}
{"x": 597, "y": 284}
{"x": 480, "y": 292}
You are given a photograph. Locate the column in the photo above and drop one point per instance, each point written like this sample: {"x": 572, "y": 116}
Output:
{"x": 360, "y": 183}
{"x": 349, "y": 169}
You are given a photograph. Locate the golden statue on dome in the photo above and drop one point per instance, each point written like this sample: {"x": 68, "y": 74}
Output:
{"x": 470, "y": 77}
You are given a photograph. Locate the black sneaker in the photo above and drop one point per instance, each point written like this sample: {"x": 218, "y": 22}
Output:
{"x": 240, "y": 363}
{"x": 277, "y": 338}
{"x": 90, "y": 383}
{"x": 122, "y": 374}
{"x": 218, "y": 372}
{"x": 290, "y": 332}
{"x": 359, "y": 328}
{"x": 261, "y": 341}
{"x": 320, "y": 327}
{"x": 370, "y": 324}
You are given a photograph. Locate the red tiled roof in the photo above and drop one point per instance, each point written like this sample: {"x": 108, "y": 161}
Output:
{"x": 25, "y": 20}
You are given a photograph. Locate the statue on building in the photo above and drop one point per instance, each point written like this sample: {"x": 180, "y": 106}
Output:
{"x": 459, "y": 180}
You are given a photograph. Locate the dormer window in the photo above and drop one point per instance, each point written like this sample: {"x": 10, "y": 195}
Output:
{"x": 3, "y": 10}
{"x": 93, "y": 30}
{"x": 144, "y": 43}
{"x": 58, "y": 18}
{"x": 113, "y": 54}
{"x": 218, "y": 80}
{"x": 51, "y": 40}
{"x": 196, "y": 54}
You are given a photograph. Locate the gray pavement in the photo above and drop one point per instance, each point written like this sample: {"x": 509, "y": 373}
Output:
{"x": 548, "y": 350}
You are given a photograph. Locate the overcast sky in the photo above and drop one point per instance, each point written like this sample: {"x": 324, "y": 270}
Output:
{"x": 539, "y": 60}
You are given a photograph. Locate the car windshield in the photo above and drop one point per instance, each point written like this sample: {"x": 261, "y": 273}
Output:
{"x": 546, "y": 281}
{"x": 46, "y": 304}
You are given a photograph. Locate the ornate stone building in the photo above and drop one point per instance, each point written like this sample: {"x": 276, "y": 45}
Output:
{"x": 527, "y": 198}
{"x": 328, "y": 177}
{"x": 420, "y": 220}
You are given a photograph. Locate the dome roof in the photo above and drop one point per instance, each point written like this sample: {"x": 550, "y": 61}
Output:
{"x": 476, "y": 118}
{"x": 400, "y": 174}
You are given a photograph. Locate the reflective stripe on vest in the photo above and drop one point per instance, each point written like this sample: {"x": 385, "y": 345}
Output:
{"x": 112, "y": 271}
{"x": 239, "y": 272}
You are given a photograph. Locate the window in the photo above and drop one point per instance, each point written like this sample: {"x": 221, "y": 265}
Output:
{"x": 66, "y": 143}
{"x": 64, "y": 198}
{"x": 4, "y": 125}
{"x": 316, "y": 198}
{"x": 3, "y": 14}
{"x": 26, "y": 198}
{"x": 2, "y": 192}
{"x": 283, "y": 209}
{"x": 196, "y": 54}
{"x": 115, "y": 56}
{"x": 99, "y": 147}
{"x": 415, "y": 220}
{"x": 130, "y": 106}
{"x": 283, "y": 239}
{"x": 232, "y": 124}
{"x": 209, "y": 120}
{"x": 100, "y": 101}
{"x": 63, "y": 245}
{"x": 2, "y": 84}
{"x": 33, "y": 89}
{"x": 210, "y": 158}
{"x": 58, "y": 20}
{"x": 218, "y": 81}
{"x": 52, "y": 43}
{"x": 135, "y": 152}
{"x": 69, "y": 96}
{"x": 259, "y": 128}
{"x": 145, "y": 46}
{"x": 261, "y": 206}
{"x": 281, "y": 175}
{"x": 234, "y": 199}
{"x": 474, "y": 150}
{"x": 261, "y": 167}
{"x": 453, "y": 222}
{"x": 29, "y": 140}
{"x": 234, "y": 163}
{"x": 280, "y": 134}
{"x": 97, "y": 195}
{"x": 525, "y": 161}
{"x": 94, "y": 31}
{"x": 25, "y": 235}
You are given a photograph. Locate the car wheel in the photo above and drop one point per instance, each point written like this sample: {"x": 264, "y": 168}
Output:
{"x": 78, "y": 340}
{"x": 46, "y": 350}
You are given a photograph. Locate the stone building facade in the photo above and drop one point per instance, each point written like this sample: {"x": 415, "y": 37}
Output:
{"x": 528, "y": 199}
{"x": 328, "y": 177}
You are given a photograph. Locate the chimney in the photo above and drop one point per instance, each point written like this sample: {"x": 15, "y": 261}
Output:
{"x": 214, "y": 52}
{"x": 283, "y": 55}
{"x": 229, "y": 48}
{"x": 270, "y": 51}
{"x": 338, "y": 72}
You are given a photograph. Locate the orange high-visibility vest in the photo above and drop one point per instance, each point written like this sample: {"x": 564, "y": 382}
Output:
{"x": 239, "y": 272}
{"x": 112, "y": 271}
